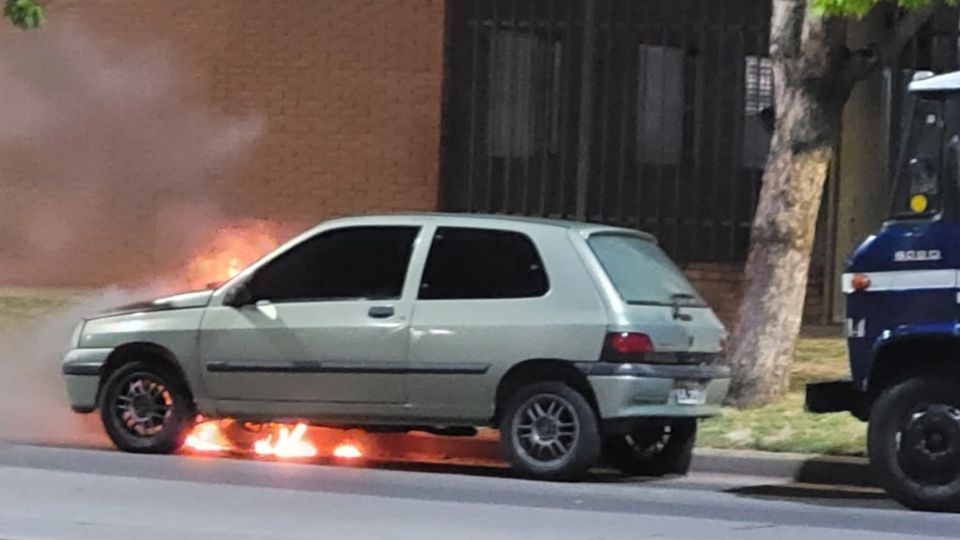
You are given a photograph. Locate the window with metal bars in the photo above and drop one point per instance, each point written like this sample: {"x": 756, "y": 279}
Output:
{"x": 615, "y": 111}
{"x": 523, "y": 75}
{"x": 757, "y": 110}
{"x": 660, "y": 104}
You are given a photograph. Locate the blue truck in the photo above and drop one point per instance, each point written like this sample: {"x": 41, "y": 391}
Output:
{"x": 902, "y": 290}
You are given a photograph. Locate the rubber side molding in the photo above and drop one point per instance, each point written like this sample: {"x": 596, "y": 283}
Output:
{"x": 82, "y": 368}
{"x": 655, "y": 371}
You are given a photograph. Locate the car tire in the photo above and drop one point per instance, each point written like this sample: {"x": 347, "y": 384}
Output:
{"x": 146, "y": 408}
{"x": 662, "y": 450}
{"x": 917, "y": 470}
{"x": 550, "y": 432}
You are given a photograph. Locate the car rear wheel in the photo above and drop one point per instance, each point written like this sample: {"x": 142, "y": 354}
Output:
{"x": 146, "y": 408}
{"x": 914, "y": 443}
{"x": 549, "y": 432}
{"x": 655, "y": 450}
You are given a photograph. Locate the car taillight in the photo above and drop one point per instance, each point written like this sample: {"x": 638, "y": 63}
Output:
{"x": 626, "y": 347}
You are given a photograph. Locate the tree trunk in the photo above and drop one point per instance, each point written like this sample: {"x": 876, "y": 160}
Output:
{"x": 810, "y": 84}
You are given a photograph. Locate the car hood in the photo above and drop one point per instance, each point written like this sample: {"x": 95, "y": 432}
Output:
{"x": 195, "y": 299}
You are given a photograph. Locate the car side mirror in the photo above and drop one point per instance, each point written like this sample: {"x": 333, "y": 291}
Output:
{"x": 240, "y": 295}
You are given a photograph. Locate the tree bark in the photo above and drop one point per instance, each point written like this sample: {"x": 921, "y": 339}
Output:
{"x": 814, "y": 73}
{"x": 811, "y": 85}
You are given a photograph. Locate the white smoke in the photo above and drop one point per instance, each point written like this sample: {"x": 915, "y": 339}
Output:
{"x": 32, "y": 391}
{"x": 113, "y": 168}
{"x": 111, "y": 163}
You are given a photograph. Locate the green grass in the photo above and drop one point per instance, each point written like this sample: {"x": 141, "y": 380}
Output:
{"x": 785, "y": 427}
{"x": 20, "y": 306}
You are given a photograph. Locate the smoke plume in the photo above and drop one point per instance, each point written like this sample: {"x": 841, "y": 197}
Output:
{"x": 112, "y": 165}
{"x": 113, "y": 169}
{"x": 32, "y": 393}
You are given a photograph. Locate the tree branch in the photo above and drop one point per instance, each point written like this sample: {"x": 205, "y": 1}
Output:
{"x": 906, "y": 28}
{"x": 865, "y": 62}
{"x": 786, "y": 29}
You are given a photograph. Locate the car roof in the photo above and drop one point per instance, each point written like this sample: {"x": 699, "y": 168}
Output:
{"x": 481, "y": 220}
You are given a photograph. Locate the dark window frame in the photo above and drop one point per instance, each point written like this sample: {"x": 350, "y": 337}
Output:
{"x": 438, "y": 234}
{"x": 416, "y": 231}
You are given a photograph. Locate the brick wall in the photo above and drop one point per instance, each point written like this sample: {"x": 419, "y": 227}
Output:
{"x": 349, "y": 92}
{"x": 722, "y": 284}
{"x": 350, "y": 95}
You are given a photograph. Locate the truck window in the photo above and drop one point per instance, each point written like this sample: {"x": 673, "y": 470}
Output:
{"x": 641, "y": 271}
{"x": 918, "y": 192}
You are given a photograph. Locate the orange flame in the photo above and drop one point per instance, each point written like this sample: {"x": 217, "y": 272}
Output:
{"x": 229, "y": 250}
{"x": 234, "y": 268}
{"x": 289, "y": 444}
{"x": 207, "y": 438}
{"x": 347, "y": 451}
{"x": 282, "y": 441}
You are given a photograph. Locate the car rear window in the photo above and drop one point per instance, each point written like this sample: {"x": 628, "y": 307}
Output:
{"x": 641, "y": 271}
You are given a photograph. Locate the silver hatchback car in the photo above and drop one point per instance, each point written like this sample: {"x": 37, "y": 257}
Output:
{"x": 576, "y": 341}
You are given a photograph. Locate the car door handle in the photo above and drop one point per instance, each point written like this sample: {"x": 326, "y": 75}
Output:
{"x": 381, "y": 312}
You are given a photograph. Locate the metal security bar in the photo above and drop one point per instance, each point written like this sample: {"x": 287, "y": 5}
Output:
{"x": 652, "y": 114}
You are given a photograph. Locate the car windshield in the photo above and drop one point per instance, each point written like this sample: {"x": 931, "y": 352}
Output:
{"x": 641, "y": 271}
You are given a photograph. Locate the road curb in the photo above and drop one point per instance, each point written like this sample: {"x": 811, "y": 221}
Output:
{"x": 806, "y": 468}
{"x": 812, "y": 469}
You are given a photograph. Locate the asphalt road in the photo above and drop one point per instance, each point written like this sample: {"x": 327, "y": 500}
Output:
{"x": 105, "y": 495}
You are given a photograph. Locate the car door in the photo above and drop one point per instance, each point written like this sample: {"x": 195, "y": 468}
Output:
{"x": 324, "y": 322}
{"x": 484, "y": 304}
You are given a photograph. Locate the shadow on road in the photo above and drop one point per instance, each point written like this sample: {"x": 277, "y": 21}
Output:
{"x": 747, "y": 487}
{"x": 815, "y": 493}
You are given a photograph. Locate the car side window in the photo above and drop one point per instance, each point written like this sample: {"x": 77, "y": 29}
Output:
{"x": 368, "y": 263}
{"x": 482, "y": 263}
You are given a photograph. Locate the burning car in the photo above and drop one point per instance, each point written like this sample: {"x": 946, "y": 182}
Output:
{"x": 571, "y": 339}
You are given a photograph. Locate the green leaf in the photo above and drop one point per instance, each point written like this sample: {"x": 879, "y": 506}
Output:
{"x": 859, "y": 8}
{"x": 24, "y": 13}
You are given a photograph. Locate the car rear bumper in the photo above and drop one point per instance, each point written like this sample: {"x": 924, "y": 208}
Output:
{"x": 657, "y": 391}
{"x": 81, "y": 374}
{"x": 836, "y": 396}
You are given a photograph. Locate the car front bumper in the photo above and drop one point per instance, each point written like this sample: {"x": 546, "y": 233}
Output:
{"x": 81, "y": 373}
{"x": 657, "y": 391}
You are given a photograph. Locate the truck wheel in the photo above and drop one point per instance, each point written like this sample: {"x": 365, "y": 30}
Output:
{"x": 914, "y": 443}
{"x": 655, "y": 451}
{"x": 549, "y": 432}
{"x": 146, "y": 409}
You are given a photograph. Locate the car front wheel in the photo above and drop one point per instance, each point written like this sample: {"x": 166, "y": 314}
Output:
{"x": 146, "y": 408}
{"x": 549, "y": 432}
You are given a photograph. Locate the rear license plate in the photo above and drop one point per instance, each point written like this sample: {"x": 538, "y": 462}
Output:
{"x": 689, "y": 393}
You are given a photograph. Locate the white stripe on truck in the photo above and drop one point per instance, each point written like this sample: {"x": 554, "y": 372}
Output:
{"x": 906, "y": 280}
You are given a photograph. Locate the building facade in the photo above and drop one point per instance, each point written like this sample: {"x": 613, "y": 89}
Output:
{"x": 654, "y": 115}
